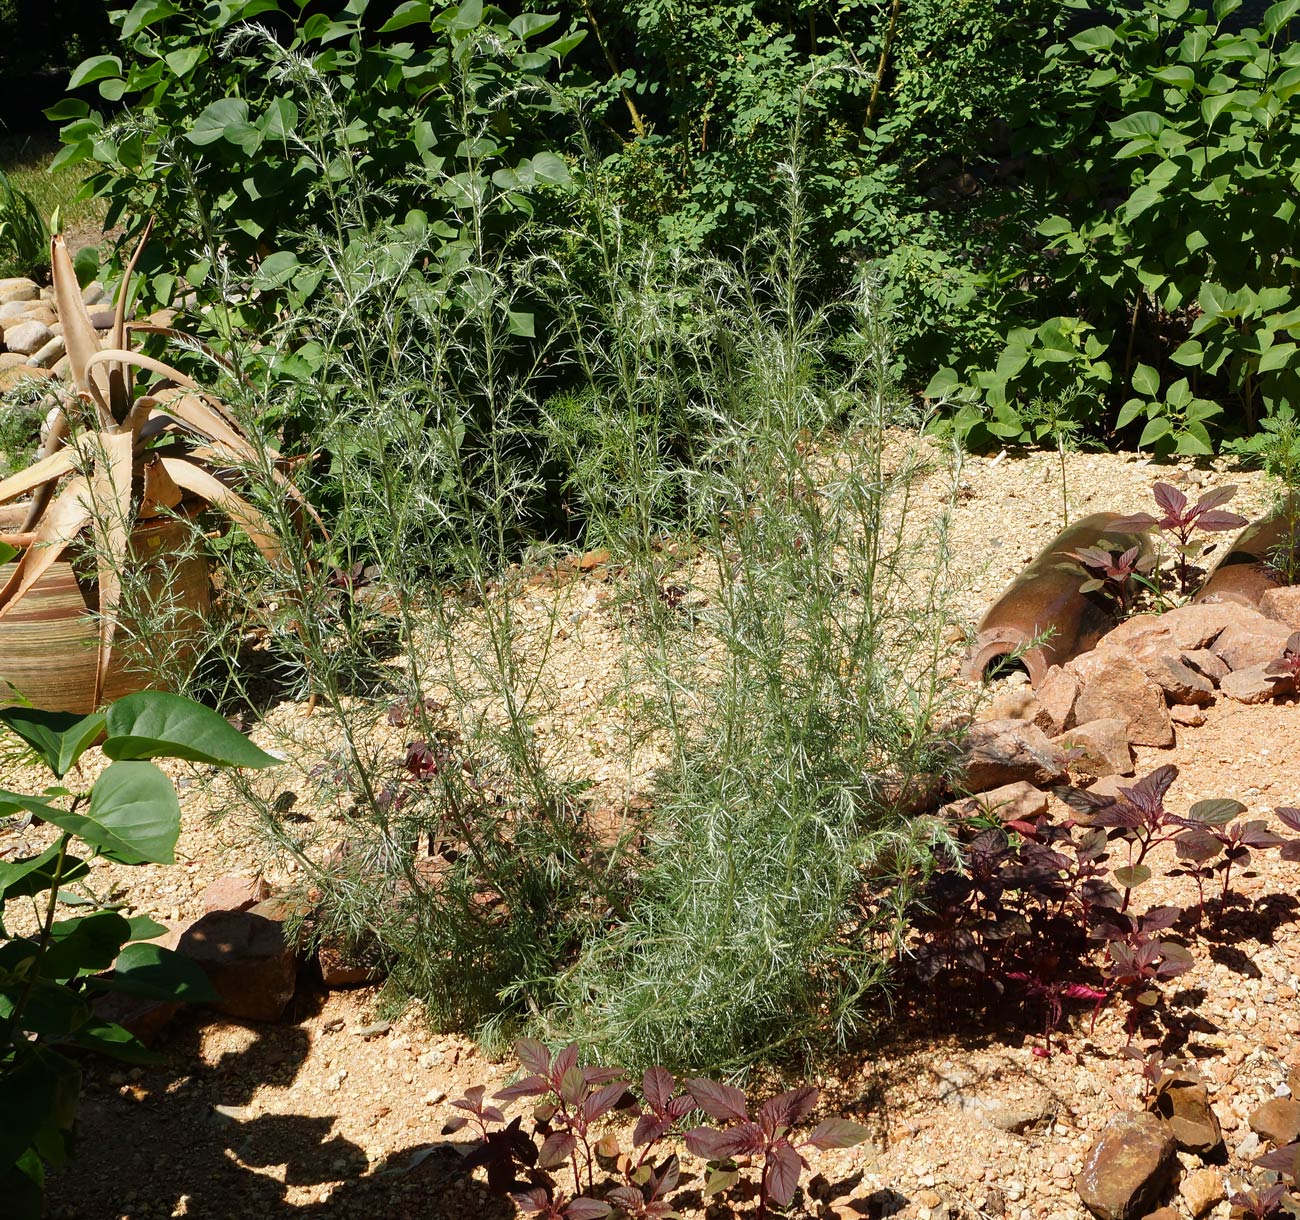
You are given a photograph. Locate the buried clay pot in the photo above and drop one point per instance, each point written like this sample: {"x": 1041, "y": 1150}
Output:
{"x": 1044, "y": 617}
{"x": 1257, "y": 562}
{"x": 48, "y": 640}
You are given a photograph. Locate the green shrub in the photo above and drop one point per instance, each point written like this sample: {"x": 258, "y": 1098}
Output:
{"x": 1166, "y": 194}
{"x": 51, "y": 976}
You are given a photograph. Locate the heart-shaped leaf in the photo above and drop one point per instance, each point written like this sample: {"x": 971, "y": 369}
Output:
{"x": 60, "y": 738}
{"x": 156, "y": 724}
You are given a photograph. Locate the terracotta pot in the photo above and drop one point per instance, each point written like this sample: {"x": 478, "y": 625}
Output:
{"x": 48, "y": 641}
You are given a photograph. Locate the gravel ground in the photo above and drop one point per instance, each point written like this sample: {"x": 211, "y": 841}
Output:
{"x": 321, "y": 1114}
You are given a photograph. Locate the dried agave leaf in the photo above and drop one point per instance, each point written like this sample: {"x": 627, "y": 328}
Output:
{"x": 119, "y": 400}
{"x": 46, "y": 470}
{"x": 66, "y": 518}
{"x": 60, "y": 428}
{"x": 196, "y": 415}
{"x": 79, "y": 336}
{"x": 111, "y": 493}
{"x": 240, "y": 511}
{"x": 160, "y": 490}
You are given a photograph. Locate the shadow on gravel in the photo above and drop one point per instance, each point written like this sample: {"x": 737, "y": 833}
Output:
{"x": 179, "y": 1140}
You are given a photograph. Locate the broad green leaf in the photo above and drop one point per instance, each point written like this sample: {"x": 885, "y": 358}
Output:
{"x": 1129, "y": 412}
{"x": 1279, "y": 356}
{"x": 22, "y": 1186}
{"x": 156, "y": 973}
{"x": 943, "y": 383}
{"x": 40, "y": 1088}
{"x": 1146, "y": 380}
{"x": 275, "y": 270}
{"x": 145, "y": 928}
{"x": 156, "y": 724}
{"x": 89, "y": 943}
{"x": 522, "y": 324}
{"x": 1099, "y": 38}
{"x": 1277, "y": 15}
{"x": 469, "y": 16}
{"x": 1178, "y": 75}
{"x": 60, "y": 738}
{"x": 182, "y": 60}
{"x": 146, "y": 12}
{"x": 1154, "y": 431}
{"x": 35, "y": 874}
{"x": 280, "y": 119}
{"x": 411, "y": 12}
{"x": 550, "y": 168}
{"x": 527, "y": 25}
{"x": 1131, "y": 877}
{"x": 135, "y": 817}
{"x": 97, "y": 67}
{"x": 1194, "y": 439}
{"x": 1141, "y": 123}
{"x": 105, "y": 1038}
{"x": 51, "y": 1009}
{"x": 1216, "y": 812}
{"x": 218, "y": 119}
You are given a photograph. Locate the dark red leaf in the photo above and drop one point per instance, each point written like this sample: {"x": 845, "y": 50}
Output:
{"x": 533, "y": 1055}
{"x": 1215, "y": 497}
{"x": 599, "y": 1075}
{"x": 703, "y": 1142}
{"x": 1081, "y": 991}
{"x": 1137, "y": 521}
{"x": 627, "y": 1197}
{"x": 1256, "y": 834}
{"x": 665, "y": 1182}
{"x": 452, "y": 1125}
{"x": 1291, "y": 850}
{"x": 741, "y": 1139}
{"x": 564, "y": 1061}
{"x": 1217, "y": 522}
{"x": 657, "y": 1087}
{"x": 681, "y": 1106}
{"x": 583, "y": 1208}
{"x": 530, "y": 1086}
{"x": 786, "y": 1109}
{"x": 837, "y": 1133}
{"x": 1198, "y": 845}
{"x": 573, "y": 1086}
{"x": 603, "y": 1100}
{"x": 532, "y": 1201}
{"x": 556, "y": 1149}
{"x": 781, "y": 1174}
{"x": 1290, "y": 816}
{"x": 1170, "y": 499}
{"x": 648, "y": 1129}
{"x": 720, "y": 1101}
{"x": 493, "y": 1115}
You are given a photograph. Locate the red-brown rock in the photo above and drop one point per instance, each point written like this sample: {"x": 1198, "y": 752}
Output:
{"x": 1020, "y": 802}
{"x": 1181, "y": 629}
{"x": 1057, "y": 694}
{"x": 1277, "y": 1121}
{"x": 1116, "y": 687}
{"x": 1103, "y": 748}
{"x": 1253, "y": 685}
{"x": 1187, "y": 717}
{"x": 247, "y": 959}
{"x": 1180, "y": 682}
{"x": 1207, "y": 664}
{"x": 1127, "y": 1167}
{"x": 1253, "y": 641}
{"x": 231, "y": 893}
{"x": 1008, "y": 751}
{"x": 1183, "y": 1101}
{"x": 1282, "y": 604}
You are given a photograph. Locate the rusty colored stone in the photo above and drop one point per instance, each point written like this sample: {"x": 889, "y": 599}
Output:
{"x": 1262, "y": 552}
{"x": 1127, "y": 1167}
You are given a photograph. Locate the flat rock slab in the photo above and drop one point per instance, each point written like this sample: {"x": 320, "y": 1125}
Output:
{"x": 1102, "y": 748}
{"x": 1277, "y": 1121}
{"x": 1020, "y": 802}
{"x": 1010, "y": 751}
{"x": 1247, "y": 644}
{"x": 1127, "y": 1167}
{"x": 28, "y": 337}
{"x": 1253, "y": 685}
{"x": 1115, "y": 686}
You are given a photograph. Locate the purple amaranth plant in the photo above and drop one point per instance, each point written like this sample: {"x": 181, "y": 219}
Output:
{"x": 766, "y": 1138}
{"x": 1138, "y": 816}
{"x": 546, "y": 1204}
{"x": 1288, "y": 664}
{"x": 648, "y": 1200}
{"x": 1180, "y": 519}
{"x": 1211, "y": 833}
{"x": 1111, "y": 573}
{"x": 1052, "y": 993}
{"x": 1265, "y": 1204}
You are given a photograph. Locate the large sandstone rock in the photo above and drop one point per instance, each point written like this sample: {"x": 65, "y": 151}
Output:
{"x": 1007, "y": 752}
{"x": 1183, "y": 1101}
{"x": 1201, "y": 1190}
{"x": 1057, "y": 694}
{"x": 18, "y": 289}
{"x": 1254, "y": 641}
{"x": 247, "y": 959}
{"x": 1179, "y": 630}
{"x": 12, "y": 311}
{"x": 1127, "y": 1167}
{"x": 1020, "y": 802}
{"x": 1206, "y": 664}
{"x": 1282, "y": 604}
{"x": 28, "y": 337}
{"x": 1180, "y": 682}
{"x": 231, "y": 893}
{"x": 1116, "y": 687}
{"x": 1102, "y": 746}
{"x": 1277, "y": 1121}
{"x": 1254, "y": 685}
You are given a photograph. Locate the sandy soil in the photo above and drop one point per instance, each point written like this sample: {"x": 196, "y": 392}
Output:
{"x": 325, "y": 1113}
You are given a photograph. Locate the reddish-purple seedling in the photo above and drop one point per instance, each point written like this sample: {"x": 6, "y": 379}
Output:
{"x": 1181, "y": 519}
